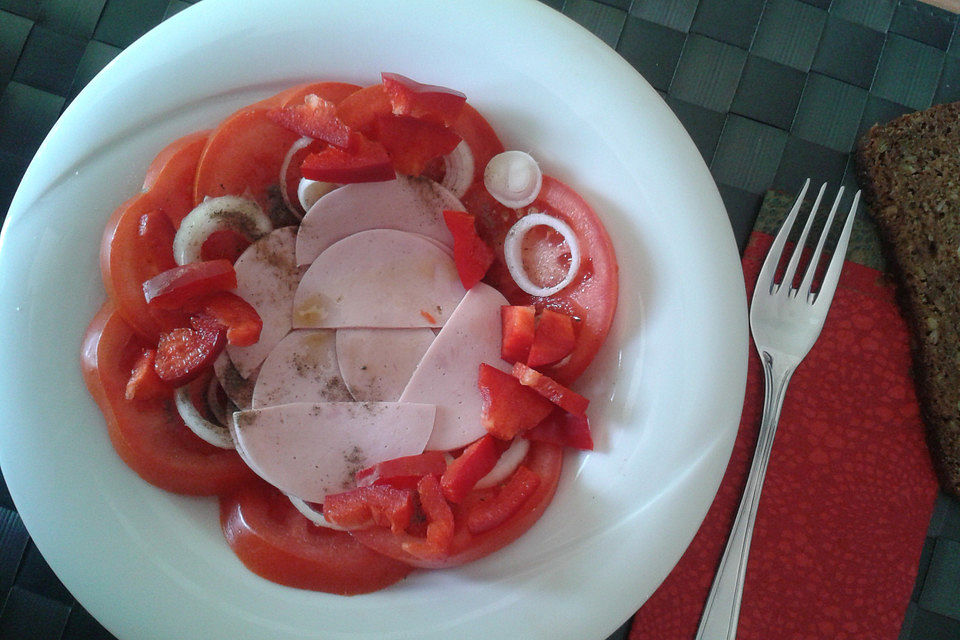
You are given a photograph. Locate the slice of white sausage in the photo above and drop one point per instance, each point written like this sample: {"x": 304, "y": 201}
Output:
{"x": 378, "y": 278}
{"x": 449, "y": 372}
{"x": 301, "y": 368}
{"x": 406, "y": 204}
{"x": 376, "y": 364}
{"x": 310, "y": 450}
{"x": 267, "y": 278}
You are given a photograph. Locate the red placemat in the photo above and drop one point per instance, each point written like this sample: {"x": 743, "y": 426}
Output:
{"x": 849, "y": 490}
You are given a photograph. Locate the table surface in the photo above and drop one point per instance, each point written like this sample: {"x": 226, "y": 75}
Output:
{"x": 771, "y": 91}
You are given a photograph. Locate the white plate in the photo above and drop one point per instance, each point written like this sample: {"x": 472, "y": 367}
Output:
{"x": 667, "y": 388}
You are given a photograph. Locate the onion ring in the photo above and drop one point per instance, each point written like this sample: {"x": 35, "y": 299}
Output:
{"x": 513, "y": 252}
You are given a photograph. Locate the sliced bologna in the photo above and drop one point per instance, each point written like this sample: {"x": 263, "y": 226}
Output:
{"x": 312, "y": 449}
{"x": 376, "y": 364}
{"x": 267, "y": 278}
{"x": 448, "y": 374}
{"x": 301, "y": 368}
{"x": 406, "y": 204}
{"x": 378, "y": 278}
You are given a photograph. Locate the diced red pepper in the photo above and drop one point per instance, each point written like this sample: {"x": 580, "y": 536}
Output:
{"x": 182, "y": 285}
{"x": 471, "y": 254}
{"x": 223, "y": 244}
{"x": 428, "y": 102}
{"x": 564, "y": 429}
{"x": 405, "y": 471}
{"x": 144, "y": 383}
{"x": 439, "y": 517}
{"x": 468, "y": 468}
{"x": 508, "y": 407}
{"x": 242, "y": 321}
{"x": 315, "y": 118}
{"x": 553, "y": 339}
{"x": 365, "y": 161}
{"x": 551, "y": 389}
{"x": 412, "y": 143}
{"x": 379, "y": 505}
{"x": 487, "y": 514}
{"x": 185, "y": 352}
{"x": 519, "y": 323}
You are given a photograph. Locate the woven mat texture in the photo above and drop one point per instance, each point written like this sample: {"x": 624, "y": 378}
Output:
{"x": 772, "y": 92}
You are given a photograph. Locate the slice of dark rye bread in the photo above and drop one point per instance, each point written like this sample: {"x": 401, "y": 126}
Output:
{"x": 909, "y": 170}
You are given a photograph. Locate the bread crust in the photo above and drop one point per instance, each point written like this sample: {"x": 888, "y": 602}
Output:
{"x": 909, "y": 170}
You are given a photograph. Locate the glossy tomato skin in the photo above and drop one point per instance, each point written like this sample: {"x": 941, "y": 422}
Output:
{"x": 276, "y": 542}
{"x": 147, "y": 433}
{"x": 544, "y": 459}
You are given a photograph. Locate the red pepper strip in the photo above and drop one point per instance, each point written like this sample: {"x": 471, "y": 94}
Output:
{"x": 315, "y": 118}
{"x": 468, "y": 468}
{"x": 471, "y": 255}
{"x": 144, "y": 383}
{"x": 553, "y": 340}
{"x": 424, "y": 101}
{"x": 439, "y": 521}
{"x": 223, "y": 244}
{"x": 177, "y": 287}
{"x": 508, "y": 407}
{"x": 564, "y": 429}
{"x": 242, "y": 321}
{"x": 487, "y": 514}
{"x": 184, "y": 353}
{"x": 412, "y": 143}
{"x": 518, "y": 324}
{"x": 551, "y": 389}
{"x": 365, "y": 161}
{"x": 400, "y": 471}
{"x": 378, "y": 505}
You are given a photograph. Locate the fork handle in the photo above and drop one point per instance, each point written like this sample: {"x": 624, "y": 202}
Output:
{"x": 722, "y": 611}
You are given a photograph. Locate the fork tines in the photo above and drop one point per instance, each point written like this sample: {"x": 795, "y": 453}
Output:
{"x": 770, "y": 272}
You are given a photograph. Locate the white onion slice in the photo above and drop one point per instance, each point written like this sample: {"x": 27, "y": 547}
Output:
{"x": 458, "y": 169}
{"x": 507, "y": 464}
{"x": 296, "y": 146}
{"x": 215, "y": 434}
{"x": 311, "y": 514}
{"x": 309, "y": 191}
{"x": 216, "y": 214}
{"x": 513, "y": 253}
{"x": 513, "y": 178}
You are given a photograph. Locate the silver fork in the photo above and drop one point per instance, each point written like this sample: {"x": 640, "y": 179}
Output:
{"x": 785, "y": 322}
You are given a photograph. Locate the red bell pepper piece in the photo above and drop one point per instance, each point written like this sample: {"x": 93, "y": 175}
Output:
{"x": 553, "y": 339}
{"x": 405, "y": 471}
{"x": 470, "y": 253}
{"x": 364, "y": 161}
{"x": 185, "y": 352}
{"x": 412, "y": 143}
{"x": 177, "y": 287}
{"x": 508, "y": 407}
{"x": 487, "y": 514}
{"x": 424, "y": 101}
{"x": 242, "y": 321}
{"x": 379, "y": 505}
{"x": 468, "y": 468}
{"x": 564, "y": 429}
{"x": 551, "y": 389}
{"x": 144, "y": 383}
{"x": 519, "y": 323}
{"x": 315, "y": 118}
{"x": 439, "y": 518}
{"x": 223, "y": 244}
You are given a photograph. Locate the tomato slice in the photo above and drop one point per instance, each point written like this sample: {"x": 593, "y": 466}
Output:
{"x": 137, "y": 245}
{"x": 147, "y": 433}
{"x": 335, "y": 92}
{"x": 243, "y": 157}
{"x": 276, "y": 542}
{"x": 171, "y": 175}
{"x": 544, "y": 459}
{"x": 591, "y": 297}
